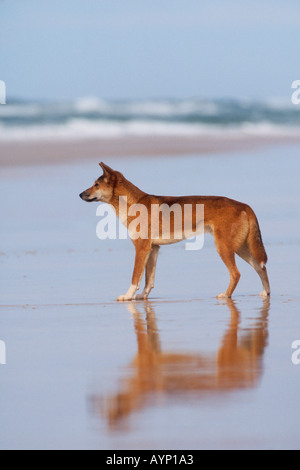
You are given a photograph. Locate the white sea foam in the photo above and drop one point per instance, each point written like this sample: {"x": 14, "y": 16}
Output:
{"x": 78, "y": 129}
{"x": 84, "y": 129}
{"x": 95, "y": 118}
{"x": 90, "y": 104}
{"x": 159, "y": 108}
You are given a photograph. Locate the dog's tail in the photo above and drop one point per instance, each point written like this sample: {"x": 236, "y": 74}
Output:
{"x": 254, "y": 240}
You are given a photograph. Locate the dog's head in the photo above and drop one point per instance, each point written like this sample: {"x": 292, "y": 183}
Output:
{"x": 103, "y": 188}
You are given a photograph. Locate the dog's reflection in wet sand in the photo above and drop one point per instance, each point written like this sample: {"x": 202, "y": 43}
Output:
{"x": 237, "y": 364}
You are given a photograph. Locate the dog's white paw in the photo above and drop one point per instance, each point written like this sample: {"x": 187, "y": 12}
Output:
{"x": 223, "y": 296}
{"x": 123, "y": 298}
{"x": 264, "y": 294}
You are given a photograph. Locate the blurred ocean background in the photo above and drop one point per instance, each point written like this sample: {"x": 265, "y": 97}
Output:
{"x": 92, "y": 117}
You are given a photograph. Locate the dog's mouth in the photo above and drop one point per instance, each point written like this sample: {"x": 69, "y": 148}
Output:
{"x": 91, "y": 200}
{"x": 84, "y": 197}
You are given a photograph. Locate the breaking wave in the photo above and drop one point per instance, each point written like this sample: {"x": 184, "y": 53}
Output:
{"x": 95, "y": 118}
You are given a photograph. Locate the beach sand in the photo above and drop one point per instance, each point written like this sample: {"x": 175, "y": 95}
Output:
{"x": 182, "y": 371}
{"x": 67, "y": 151}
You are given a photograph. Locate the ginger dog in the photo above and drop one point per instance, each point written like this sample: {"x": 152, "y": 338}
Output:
{"x": 233, "y": 225}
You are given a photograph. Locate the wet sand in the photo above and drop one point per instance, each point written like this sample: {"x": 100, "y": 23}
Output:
{"x": 64, "y": 151}
{"x": 181, "y": 371}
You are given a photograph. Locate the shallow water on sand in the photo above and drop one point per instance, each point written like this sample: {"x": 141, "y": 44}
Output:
{"x": 183, "y": 370}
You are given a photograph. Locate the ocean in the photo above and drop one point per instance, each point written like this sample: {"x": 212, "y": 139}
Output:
{"x": 96, "y": 118}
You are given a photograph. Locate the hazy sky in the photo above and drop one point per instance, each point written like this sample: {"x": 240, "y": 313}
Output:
{"x": 149, "y": 48}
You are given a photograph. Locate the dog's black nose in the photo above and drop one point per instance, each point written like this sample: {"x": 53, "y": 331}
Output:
{"x": 81, "y": 195}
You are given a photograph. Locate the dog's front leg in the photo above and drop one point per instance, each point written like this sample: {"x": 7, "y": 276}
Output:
{"x": 150, "y": 274}
{"x": 142, "y": 252}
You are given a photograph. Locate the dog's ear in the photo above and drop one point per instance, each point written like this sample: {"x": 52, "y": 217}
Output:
{"x": 106, "y": 169}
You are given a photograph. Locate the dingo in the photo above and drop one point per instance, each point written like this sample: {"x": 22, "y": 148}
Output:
{"x": 233, "y": 224}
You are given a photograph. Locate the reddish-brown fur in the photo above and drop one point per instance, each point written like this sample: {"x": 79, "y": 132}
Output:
{"x": 155, "y": 372}
{"x": 233, "y": 224}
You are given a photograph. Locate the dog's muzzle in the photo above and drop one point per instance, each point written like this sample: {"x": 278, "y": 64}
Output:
{"x": 84, "y": 197}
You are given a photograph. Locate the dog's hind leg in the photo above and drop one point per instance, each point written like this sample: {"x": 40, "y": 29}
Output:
{"x": 245, "y": 253}
{"x": 142, "y": 253}
{"x": 150, "y": 273}
{"x": 262, "y": 272}
{"x": 228, "y": 257}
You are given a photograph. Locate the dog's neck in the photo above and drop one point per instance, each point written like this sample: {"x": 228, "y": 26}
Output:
{"x": 124, "y": 190}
